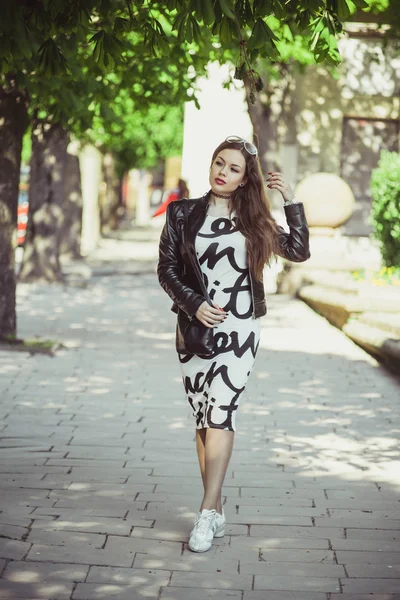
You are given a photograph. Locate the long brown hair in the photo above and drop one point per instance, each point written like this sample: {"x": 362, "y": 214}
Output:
{"x": 253, "y": 209}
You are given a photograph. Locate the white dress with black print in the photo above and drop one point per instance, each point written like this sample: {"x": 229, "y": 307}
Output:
{"x": 214, "y": 385}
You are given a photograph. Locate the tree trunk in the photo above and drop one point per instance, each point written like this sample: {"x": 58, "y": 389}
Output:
{"x": 46, "y": 203}
{"x": 72, "y": 225}
{"x": 111, "y": 196}
{"x": 272, "y": 118}
{"x": 13, "y": 123}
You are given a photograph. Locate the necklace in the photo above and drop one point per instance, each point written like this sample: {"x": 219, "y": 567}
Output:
{"x": 220, "y": 196}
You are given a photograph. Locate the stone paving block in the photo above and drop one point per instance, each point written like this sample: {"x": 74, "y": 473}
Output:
{"x": 286, "y": 511}
{"x": 11, "y": 590}
{"x": 96, "y": 452}
{"x": 292, "y": 503}
{"x": 13, "y": 532}
{"x": 301, "y": 532}
{"x": 297, "y": 554}
{"x": 379, "y": 512}
{"x": 96, "y": 512}
{"x": 373, "y": 495}
{"x": 37, "y": 466}
{"x": 371, "y": 586}
{"x": 389, "y": 569}
{"x": 17, "y": 503}
{"x": 213, "y": 580}
{"x": 19, "y": 511}
{"x": 13, "y": 549}
{"x": 96, "y": 591}
{"x": 132, "y": 576}
{"x": 43, "y": 575}
{"x": 359, "y": 504}
{"x": 365, "y": 545}
{"x": 291, "y": 569}
{"x": 50, "y": 536}
{"x": 269, "y": 520}
{"x": 362, "y": 523}
{"x": 288, "y": 492}
{"x": 80, "y": 555}
{"x": 365, "y": 596}
{"x": 275, "y": 595}
{"x": 115, "y": 494}
{"x": 99, "y": 503}
{"x": 296, "y": 584}
{"x": 103, "y": 486}
{"x": 189, "y": 562}
{"x": 118, "y": 463}
{"x": 91, "y": 525}
{"x": 359, "y": 559}
{"x": 184, "y": 593}
{"x": 278, "y": 540}
{"x": 377, "y": 534}
{"x": 129, "y": 546}
{"x": 7, "y": 519}
{"x": 43, "y": 484}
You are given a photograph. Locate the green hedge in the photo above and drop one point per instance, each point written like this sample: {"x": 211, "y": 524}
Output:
{"x": 385, "y": 216}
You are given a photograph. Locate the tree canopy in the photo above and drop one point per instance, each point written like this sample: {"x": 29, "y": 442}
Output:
{"x": 36, "y": 35}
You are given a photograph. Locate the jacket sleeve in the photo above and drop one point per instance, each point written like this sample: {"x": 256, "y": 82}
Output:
{"x": 170, "y": 267}
{"x": 294, "y": 245}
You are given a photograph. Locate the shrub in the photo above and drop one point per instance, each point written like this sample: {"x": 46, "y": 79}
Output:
{"x": 385, "y": 216}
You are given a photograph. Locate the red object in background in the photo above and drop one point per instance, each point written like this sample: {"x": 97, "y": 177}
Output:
{"x": 23, "y": 206}
{"x": 174, "y": 195}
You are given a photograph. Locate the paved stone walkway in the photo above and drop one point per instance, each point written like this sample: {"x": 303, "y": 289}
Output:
{"x": 99, "y": 476}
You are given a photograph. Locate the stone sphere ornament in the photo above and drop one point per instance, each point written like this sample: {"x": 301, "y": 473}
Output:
{"x": 328, "y": 200}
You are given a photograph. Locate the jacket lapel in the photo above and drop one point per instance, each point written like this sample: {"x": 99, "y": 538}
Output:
{"x": 195, "y": 221}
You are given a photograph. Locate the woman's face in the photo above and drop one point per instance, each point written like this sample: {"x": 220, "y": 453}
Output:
{"x": 227, "y": 171}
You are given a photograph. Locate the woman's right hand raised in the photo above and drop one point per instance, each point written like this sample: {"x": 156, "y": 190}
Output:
{"x": 210, "y": 316}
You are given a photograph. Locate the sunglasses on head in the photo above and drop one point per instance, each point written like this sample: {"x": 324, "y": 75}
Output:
{"x": 251, "y": 149}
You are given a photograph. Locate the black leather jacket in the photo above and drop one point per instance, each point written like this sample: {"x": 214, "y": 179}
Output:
{"x": 179, "y": 271}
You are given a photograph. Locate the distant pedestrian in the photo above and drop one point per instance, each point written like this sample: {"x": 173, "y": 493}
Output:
{"x": 181, "y": 191}
{"x": 220, "y": 255}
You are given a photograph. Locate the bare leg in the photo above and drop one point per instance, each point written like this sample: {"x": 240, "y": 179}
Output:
{"x": 218, "y": 451}
{"x": 201, "y": 435}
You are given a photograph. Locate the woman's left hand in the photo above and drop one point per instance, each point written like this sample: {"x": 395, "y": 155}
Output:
{"x": 275, "y": 182}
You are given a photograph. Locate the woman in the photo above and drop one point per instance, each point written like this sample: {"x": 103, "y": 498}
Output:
{"x": 230, "y": 236}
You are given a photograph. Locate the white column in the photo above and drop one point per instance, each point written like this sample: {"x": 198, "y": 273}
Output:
{"x": 91, "y": 176}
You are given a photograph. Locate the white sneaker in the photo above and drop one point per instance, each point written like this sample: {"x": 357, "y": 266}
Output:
{"x": 202, "y": 533}
{"x": 220, "y": 523}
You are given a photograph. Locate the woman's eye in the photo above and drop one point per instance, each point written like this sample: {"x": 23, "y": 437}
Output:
{"x": 235, "y": 171}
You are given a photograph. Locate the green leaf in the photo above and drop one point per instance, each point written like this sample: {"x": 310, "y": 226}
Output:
{"x": 189, "y": 31}
{"x": 260, "y": 35}
{"x": 121, "y": 24}
{"x": 227, "y": 8}
{"x": 343, "y": 10}
{"x": 225, "y": 31}
{"x": 208, "y": 12}
{"x": 196, "y": 31}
